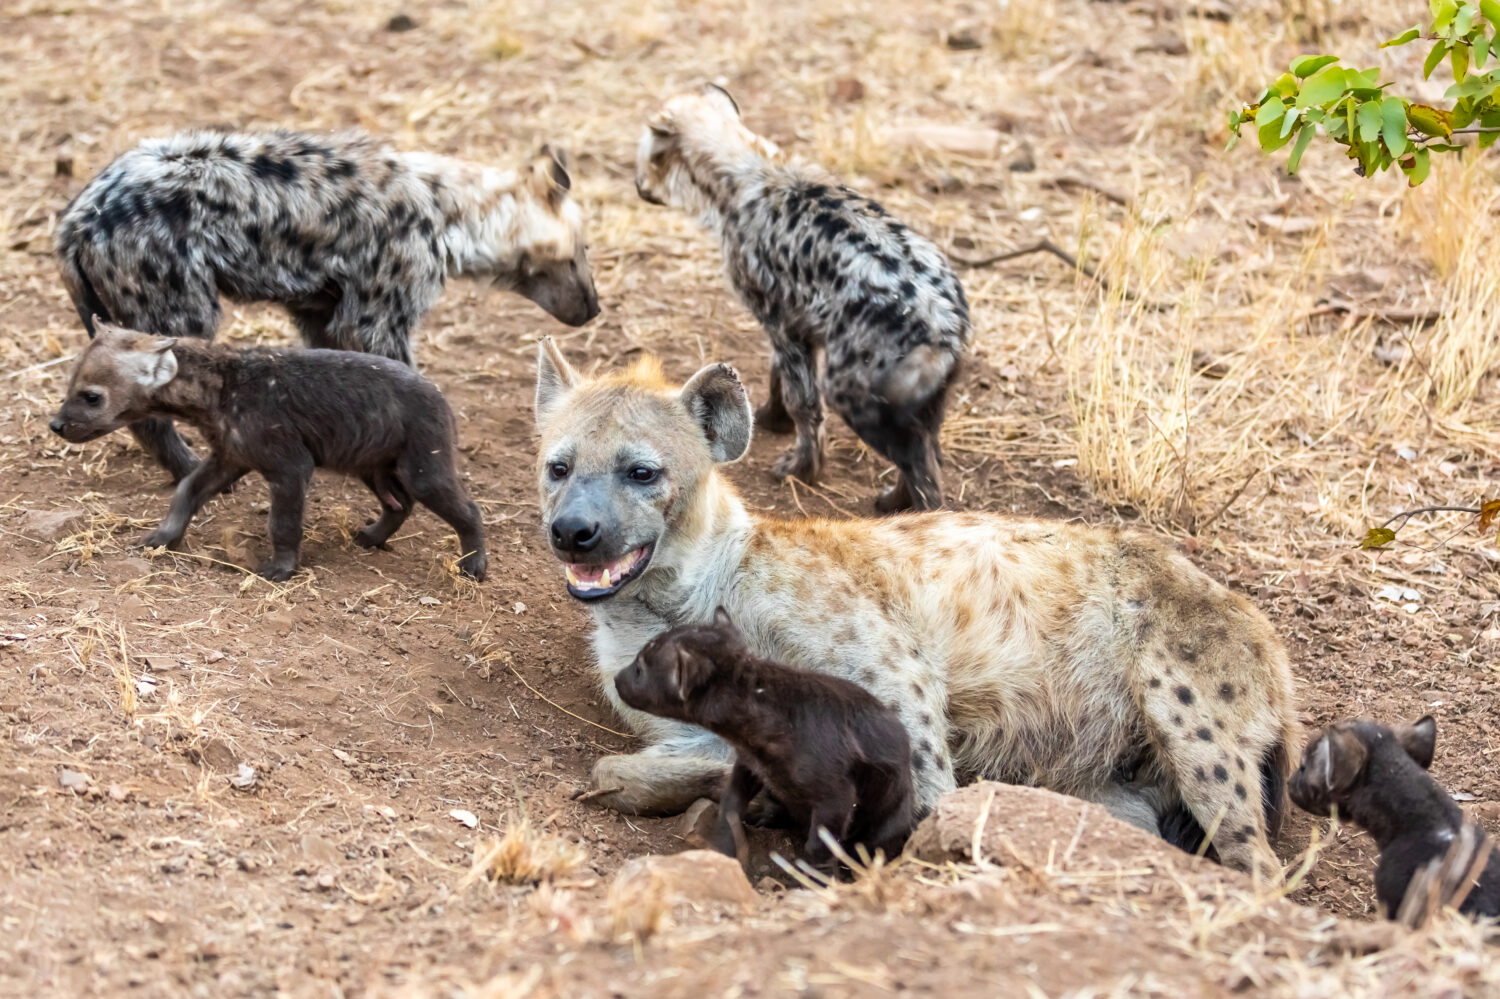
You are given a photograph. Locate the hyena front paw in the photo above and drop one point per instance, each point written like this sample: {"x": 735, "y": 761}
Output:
{"x": 278, "y": 568}
{"x": 367, "y": 537}
{"x": 474, "y": 565}
{"x": 798, "y": 464}
{"x": 159, "y": 539}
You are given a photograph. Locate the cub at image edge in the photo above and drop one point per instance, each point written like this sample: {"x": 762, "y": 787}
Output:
{"x": 823, "y": 748}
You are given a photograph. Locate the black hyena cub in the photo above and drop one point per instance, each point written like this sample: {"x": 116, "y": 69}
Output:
{"x": 829, "y": 753}
{"x": 353, "y": 237}
{"x": 280, "y": 413}
{"x": 1377, "y": 778}
{"x": 828, "y": 273}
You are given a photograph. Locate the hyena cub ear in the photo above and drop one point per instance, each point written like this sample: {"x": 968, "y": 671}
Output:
{"x": 689, "y": 673}
{"x": 1419, "y": 739}
{"x": 555, "y": 377}
{"x": 1336, "y": 761}
{"x": 717, "y": 400}
{"x": 549, "y": 176}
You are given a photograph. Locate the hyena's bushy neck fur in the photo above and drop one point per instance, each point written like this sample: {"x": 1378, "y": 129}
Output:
{"x": 480, "y": 207}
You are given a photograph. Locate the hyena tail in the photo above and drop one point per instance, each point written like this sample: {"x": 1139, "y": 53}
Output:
{"x": 1179, "y": 827}
{"x": 81, "y": 290}
{"x": 920, "y": 376}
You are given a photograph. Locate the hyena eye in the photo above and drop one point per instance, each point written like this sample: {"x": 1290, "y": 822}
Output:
{"x": 558, "y": 470}
{"x": 90, "y": 397}
{"x": 642, "y": 473}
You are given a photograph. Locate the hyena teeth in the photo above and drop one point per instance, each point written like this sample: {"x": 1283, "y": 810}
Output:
{"x": 604, "y": 581}
{"x": 572, "y": 576}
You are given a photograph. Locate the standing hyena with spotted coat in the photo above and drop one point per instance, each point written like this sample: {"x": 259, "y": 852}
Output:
{"x": 354, "y": 238}
{"x": 827, "y": 272}
{"x": 1096, "y": 662}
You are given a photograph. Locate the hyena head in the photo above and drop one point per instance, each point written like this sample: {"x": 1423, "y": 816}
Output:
{"x": 1347, "y": 756}
{"x": 113, "y": 382}
{"x": 626, "y": 466}
{"x": 551, "y": 247}
{"x": 673, "y": 667}
{"x": 687, "y": 142}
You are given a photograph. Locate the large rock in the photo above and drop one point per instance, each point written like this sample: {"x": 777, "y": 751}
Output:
{"x": 49, "y": 525}
{"x": 1034, "y": 827}
{"x": 702, "y": 880}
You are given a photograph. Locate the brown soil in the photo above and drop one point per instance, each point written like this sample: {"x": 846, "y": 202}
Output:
{"x": 377, "y": 694}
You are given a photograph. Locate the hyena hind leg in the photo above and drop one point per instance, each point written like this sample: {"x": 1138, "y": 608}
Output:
{"x": 771, "y": 415}
{"x": 395, "y": 507}
{"x": 659, "y": 780}
{"x": 796, "y": 367}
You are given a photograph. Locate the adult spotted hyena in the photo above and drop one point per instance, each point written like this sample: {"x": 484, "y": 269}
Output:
{"x": 829, "y": 273}
{"x": 354, "y": 238}
{"x": 1096, "y": 662}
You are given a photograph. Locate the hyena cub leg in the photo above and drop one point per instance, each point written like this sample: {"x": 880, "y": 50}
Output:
{"x": 395, "y": 507}
{"x": 729, "y": 834}
{"x": 161, "y": 441}
{"x": 440, "y": 491}
{"x": 288, "y": 497}
{"x": 201, "y": 485}
{"x": 796, "y": 367}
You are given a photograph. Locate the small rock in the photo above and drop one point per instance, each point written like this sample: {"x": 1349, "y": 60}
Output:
{"x": 244, "y": 778}
{"x": 175, "y": 865}
{"x": 325, "y": 880}
{"x": 72, "y": 780}
{"x": 1294, "y": 226}
{"x": 519, "y": 608}
{"x": 62, "y": 166}
{"x": 967, "y": 140}
{"x": 964, "y": 40}
{"x": 848, "y": 90}
{"x": 118, "y": 793}
{"x": 1025, "y": 159}
{"x": 50, "y": 525}
{"x": 247, "y": 863}
{"x": 698, "y": 823}
{"x": 467, "y": 818}
{"x": 695, "y": 878}
{"x": 401, "y": 22}
{"x": 769, "y": 885}
{"x": 429, "y": 601}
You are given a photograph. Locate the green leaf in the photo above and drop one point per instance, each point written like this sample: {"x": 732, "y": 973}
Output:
{"x": 1433, "y": 58}
{"x": 1369, "y": 121}
{"x": 1429, "y": 120}
{"x": 1418, "y": 171}
{"x": 1325, "y": 85}
{"x": 1443, "y": 14}
{"x": 1465, "y": 19}
{"x": 1270, "y": 111}
{"x": 1364, "y": 79}
{"x": 1487, "y": 139}
{"x": 1289, "y": 122}
{"x": 1393, "y": 124}
{"x": 1491, "y": 11}
{"x": 1378, "y": 537}
{"x": 1305, "y": 66}
{"x": 1409, "y": 35}
{"x": 1300, "y": 147}
{"x": 1271, "y": 138}
{"x": 1460, "y": 60}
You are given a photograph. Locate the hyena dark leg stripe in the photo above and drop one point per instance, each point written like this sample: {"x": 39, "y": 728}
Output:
{"x": 771, "y": 416}
{"x": 797, "y": 368}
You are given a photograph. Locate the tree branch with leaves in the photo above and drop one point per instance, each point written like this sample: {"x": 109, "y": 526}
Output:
{"x": 1355, "y": 109}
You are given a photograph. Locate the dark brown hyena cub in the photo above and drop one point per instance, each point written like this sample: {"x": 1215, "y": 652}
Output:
{"x": 1377, "y": 778}
{"x": 280, "y": 413}
{"x": 826, "y": 750}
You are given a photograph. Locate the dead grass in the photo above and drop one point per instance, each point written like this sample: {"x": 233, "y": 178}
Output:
{"x": 524, "y": 855}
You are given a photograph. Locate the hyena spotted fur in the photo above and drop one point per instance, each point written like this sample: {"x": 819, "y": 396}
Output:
{"x": 832, "y": 277}
{"x": 355, "y": 239}
{"x": 1097, "y": 662}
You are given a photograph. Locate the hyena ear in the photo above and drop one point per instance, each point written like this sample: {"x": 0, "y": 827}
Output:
{"x": 1419, "y": 739}
{"x": 560, "y": 163}
{"x": 721, "y": 618}
{"x": 717, "y": 400}
{"x": 555, "y": 377}
{"x": 689, "y": 673}
{"x": 720, "y": 98}
{"x": 150, "y": 365}
{"x": 1335, "y": 762}
{"x": 549, "y": 179}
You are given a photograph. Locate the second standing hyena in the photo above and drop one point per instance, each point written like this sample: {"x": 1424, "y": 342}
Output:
{"x": 353, "y": 237}
{"x": 833, "y": 278}
{"x": 1096, "y": 662}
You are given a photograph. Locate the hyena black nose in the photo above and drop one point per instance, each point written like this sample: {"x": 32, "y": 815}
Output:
{"x": 56, "y": 425}
{"x": 575, "y": 535}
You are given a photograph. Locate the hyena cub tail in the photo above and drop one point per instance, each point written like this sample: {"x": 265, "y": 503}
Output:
{"x": 910, "y": 421}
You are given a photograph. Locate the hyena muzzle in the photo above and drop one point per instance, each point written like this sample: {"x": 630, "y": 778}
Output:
{"x": 352, "y": 237}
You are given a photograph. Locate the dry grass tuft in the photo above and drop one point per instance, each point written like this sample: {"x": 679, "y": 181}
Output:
{"x": 524, "y": 855}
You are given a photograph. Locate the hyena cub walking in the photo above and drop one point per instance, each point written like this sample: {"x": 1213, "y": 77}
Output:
{"x": 354, "y": 238}
{"x": 827, "y": 272}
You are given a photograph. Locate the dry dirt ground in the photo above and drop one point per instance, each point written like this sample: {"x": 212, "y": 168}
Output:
{"x": 1238, "y": 388}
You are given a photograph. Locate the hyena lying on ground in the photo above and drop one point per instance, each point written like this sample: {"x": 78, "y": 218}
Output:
{"x": 281, "y": 413}
{"x": 354, "y": 238}
{"x": 827, "y": 272}
{"x": 1096, "y": 662}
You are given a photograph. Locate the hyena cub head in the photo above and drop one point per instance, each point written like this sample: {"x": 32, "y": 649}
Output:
{"x": 674, "y": 666}
{"x": 113, "y": 382}
{"x": 688, "y": 143}
{"x": 626, "y": 466}
{"x": 551, "y": 264}
{"x": 1349, "y": 756}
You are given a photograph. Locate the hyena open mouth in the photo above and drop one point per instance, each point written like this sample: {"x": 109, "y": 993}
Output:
{"x": 595, "y": 582}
